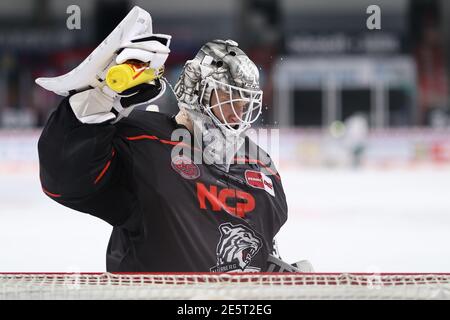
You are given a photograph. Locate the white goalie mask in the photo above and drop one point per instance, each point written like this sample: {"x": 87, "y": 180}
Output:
{"x": 222, "y": 73}
{"x": 219, "y": 91}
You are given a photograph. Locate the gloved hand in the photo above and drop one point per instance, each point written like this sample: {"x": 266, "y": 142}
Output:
{"x": 90, "y": 97}
{"x": 102, "y": 104}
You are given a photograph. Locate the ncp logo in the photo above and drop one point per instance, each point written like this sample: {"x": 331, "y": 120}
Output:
{"x": 233, "y": 201}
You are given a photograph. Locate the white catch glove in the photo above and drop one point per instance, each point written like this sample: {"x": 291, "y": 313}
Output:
{"x": 95, "y": 105}
{"x": 91, "y": 99}
{"x": 99, "y": 105}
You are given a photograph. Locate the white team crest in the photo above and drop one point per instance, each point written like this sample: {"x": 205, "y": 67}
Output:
{"x": 259, "y": 180}
{"x": 237, "y": 246}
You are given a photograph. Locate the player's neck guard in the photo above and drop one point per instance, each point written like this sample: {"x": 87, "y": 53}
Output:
{"x": 219, "y": 147}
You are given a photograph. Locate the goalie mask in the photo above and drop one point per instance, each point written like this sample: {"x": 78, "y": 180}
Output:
{"x": 221, "y": 80}
{"x": 219, "y": 91}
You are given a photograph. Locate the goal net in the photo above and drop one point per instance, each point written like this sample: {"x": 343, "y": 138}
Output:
{"x": 223, "y": 286}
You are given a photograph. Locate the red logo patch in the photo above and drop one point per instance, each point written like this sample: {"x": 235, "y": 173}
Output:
{"x": 185, "y": 167}
{"x": 254, "y": 179}
{"x": 218, "y": 199}
{"x": 259, "y": 180}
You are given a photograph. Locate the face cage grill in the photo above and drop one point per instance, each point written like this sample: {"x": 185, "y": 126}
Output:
{"x": 253, "y": 98}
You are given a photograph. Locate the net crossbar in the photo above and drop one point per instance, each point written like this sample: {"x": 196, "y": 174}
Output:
{"x": 223, "y": 286}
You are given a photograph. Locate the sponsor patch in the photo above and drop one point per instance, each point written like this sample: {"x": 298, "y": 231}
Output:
{"x": 185, "y": 167}
{"x": 259, "y": 180}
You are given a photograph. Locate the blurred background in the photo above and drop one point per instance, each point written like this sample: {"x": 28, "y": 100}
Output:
{"x": 364, "y": 119}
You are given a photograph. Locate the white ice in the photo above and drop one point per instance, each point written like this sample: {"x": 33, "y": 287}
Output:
{"x": 340, "y": 220}
{"x": 368, "y": 220}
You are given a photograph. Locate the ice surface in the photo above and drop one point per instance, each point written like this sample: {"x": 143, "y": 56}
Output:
{"x": 368, "y": 220}
{"x": 341, "y": 220}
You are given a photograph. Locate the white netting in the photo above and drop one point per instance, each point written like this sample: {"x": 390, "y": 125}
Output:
{"x": 224, "y": 286}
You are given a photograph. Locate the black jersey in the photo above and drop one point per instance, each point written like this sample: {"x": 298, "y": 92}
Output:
{"x": 168, "y": 215}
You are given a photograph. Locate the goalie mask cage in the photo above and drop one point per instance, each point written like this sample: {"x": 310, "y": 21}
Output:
{"x": 223, "y": 286}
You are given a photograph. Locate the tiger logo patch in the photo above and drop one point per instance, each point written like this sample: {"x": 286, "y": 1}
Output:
{"x": 237, "y": 246}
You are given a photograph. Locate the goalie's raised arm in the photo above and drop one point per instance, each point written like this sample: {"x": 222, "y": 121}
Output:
{"x": 81, "y": 157}
{"x": 80, "y": 167}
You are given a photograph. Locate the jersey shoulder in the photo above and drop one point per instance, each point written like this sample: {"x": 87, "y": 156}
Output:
{"x": 144, "y": 122}
{"x": 255, "y": 151}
